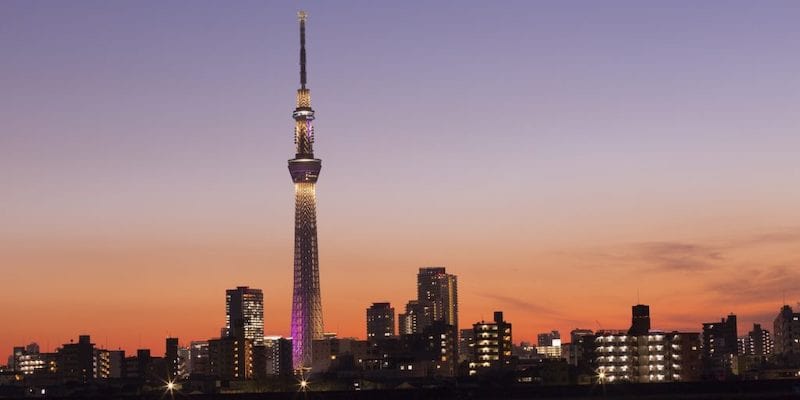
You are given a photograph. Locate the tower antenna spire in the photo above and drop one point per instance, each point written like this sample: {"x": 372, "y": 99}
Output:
{"x": 302, "y": 16}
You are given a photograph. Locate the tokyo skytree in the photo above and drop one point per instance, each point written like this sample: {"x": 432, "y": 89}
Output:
{"x": 304, "y": 168}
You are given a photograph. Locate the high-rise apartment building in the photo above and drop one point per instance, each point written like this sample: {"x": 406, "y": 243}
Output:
{"x": 244, "y": 314}
{"x": 439, "y": 289}
{"x": 720, "y": 346}
{"x": 418, "y": 316}
{"x": 758, "y": 342}
{"x": 786, "y": 330}
{"x": 720, "y": 338}
{"x": 380, "y": 321}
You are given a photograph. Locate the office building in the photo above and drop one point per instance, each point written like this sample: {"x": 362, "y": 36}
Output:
{"x": 552, "y": 338}
{"x": 549, "y": 344}
{"x": 244, "y": 314}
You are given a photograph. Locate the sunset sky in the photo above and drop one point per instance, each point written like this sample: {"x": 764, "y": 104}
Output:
{"x": 558, "y": 157}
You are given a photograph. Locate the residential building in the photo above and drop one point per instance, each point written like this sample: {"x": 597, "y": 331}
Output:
{"x": 380, "y": 321}
{"x": 493, "y": 346}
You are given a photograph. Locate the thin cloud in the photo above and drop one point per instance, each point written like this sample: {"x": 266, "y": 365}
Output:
{"x": 678, "y": 256}
{"x": 517, "y": 303}
{"x": 528, "y": 307}
{"x": 758, "y": 284}
{"x": 789, "y": 235}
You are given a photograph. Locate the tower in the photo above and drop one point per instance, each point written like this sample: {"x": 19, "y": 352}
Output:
{"x": 304, "y": 168}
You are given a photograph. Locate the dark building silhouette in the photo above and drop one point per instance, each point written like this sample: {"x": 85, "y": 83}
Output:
{"x": 76, "y": 360}
{"x": 144, "y": 366}
{"x": 640, "y": 320}
{"x": 786, "y": 333}
{"x": 582, "y": 349}
{"x": 116, "y": 363}
{"x": 231, "y": 358}
{"x": 277, "y": 356}
{"x": 466, "y": 345}
{"x": 171, "y": 357}
{"x": 441, "y": 345}
{"x": 380, "y": 321}
{"x": 418, "y": 316}
{"x": 720, "y": 345}
{"x": 198, "y": 358}
{"x": 758, "y": 342}
{"x": 332, "y": 353}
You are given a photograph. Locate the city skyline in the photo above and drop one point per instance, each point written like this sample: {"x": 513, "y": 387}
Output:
{"x": 145, "y": 168}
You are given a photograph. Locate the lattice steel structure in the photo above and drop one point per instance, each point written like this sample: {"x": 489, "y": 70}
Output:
{"x": 304, "y": 168}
